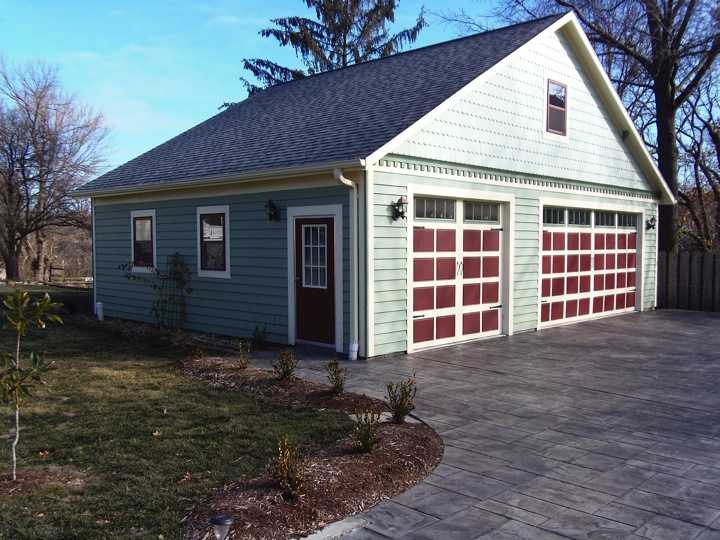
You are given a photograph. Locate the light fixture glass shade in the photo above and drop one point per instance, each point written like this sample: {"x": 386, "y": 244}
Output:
{"x": 221, "y": 526}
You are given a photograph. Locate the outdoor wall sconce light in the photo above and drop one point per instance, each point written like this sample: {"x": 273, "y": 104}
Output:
{"x": 221, "y": 525}
{"x": 399, "y": 208}
{"x": 650, "y": 224}
{"x": 273, "y": 213}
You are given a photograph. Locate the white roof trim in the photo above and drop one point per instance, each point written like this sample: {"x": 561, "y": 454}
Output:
{"x": 591, "y": 63}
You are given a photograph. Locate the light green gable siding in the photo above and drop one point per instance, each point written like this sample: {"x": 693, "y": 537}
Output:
{"x": 256, "y": 294}
{"x": 391, "y": 242}
{"x": 500, "y": 124}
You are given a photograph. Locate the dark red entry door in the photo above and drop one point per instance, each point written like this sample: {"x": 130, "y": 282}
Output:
{"x": 315, "y": 279}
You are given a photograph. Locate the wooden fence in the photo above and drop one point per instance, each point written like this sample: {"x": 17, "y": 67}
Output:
{"x": 689, "y": 280}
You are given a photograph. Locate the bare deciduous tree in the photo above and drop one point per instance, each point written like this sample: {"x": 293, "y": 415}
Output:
{"x": 49, "y": 144}
{"x": 699, "y": 140}
{"x": 657, "y": 54}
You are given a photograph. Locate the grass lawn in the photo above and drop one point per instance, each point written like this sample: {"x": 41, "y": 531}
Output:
{"x": 147, "y": 441}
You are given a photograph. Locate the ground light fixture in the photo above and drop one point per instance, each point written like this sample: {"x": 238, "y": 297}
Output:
{"x": 221, "y": 525}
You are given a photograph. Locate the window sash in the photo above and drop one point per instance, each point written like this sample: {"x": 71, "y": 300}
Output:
{"x": 213, "y": 253}
{"x": 143, "y": 249}
{"x": 556, "y": 113}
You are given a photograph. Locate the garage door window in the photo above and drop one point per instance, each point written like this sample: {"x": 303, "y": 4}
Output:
{"x": 554, "y": 216}
{"x": 482, "y": 212}
{"x": 426, "y": 208}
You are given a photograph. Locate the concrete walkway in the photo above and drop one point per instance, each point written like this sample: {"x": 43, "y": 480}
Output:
{"x": 603, "y": 430}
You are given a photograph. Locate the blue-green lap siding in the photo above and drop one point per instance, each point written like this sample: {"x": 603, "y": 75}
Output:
{"x": 256, "y": 293}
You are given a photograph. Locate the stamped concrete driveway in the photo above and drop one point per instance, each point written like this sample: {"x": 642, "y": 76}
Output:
{"x": 603, "y": 430}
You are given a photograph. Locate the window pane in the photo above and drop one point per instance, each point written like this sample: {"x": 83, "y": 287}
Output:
{"x": 557, "y": 95}
{"x": 213, "y": 256}
{"x": 213, "y": 227}
{"x": 143, "y": 229}
{"x": 143, "y": 254}
{"x": 553, "y": 216}
{"x": 481, "y": 211}
{"x": 578, "y": 217}
{"x": 605, "y": 219}
{"x": 426, "y": 208}
{"x": 556, "y": 120}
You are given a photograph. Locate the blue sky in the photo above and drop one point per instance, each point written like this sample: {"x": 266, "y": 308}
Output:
{"x": 155, "y": 68}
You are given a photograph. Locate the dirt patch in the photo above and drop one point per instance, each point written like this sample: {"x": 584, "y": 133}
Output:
{"x": 339, "y": 480}
{"x": 29, "y": 481}
{"x": 262, "y": 384}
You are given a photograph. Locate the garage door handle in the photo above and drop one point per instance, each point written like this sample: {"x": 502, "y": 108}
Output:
{"x": 418, "y": 316}
{"x": 495, "y": 307}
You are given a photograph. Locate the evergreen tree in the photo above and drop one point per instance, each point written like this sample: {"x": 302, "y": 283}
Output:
{"x": 344, "y": 32}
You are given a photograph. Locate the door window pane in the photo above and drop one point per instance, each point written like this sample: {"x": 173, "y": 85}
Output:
{"x": 315, "y": 256}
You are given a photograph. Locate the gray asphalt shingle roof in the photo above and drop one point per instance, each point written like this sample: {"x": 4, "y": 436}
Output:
{"x": 336, "y": 116}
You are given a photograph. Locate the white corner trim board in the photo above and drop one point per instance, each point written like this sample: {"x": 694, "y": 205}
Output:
{"x": 330, "y": 210}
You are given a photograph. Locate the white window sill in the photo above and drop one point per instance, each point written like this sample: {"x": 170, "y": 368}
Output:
{"x": 214, "y": 274}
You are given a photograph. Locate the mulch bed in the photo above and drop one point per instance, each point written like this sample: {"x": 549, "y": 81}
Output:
{"x": 339, "y": 480}
{"x": 262, "y": 384}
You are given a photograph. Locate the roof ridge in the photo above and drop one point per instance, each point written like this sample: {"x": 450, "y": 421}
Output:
{"x": 409, "y": 51}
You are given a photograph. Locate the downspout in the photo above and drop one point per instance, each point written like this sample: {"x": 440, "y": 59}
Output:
{"x": 354, "y": 284}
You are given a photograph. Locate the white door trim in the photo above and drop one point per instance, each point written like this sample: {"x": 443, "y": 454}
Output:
{"x": 323, "y": 211}
{"x": 507, "y": 248}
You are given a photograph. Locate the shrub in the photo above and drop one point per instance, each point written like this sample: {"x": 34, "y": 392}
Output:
{"x": 284, "y": 368}
{"x": 287, "y": 468}
{"x": 18, "y": 381}
{"x": 401, "y": 398}
{"x": 336, "y": 375}
{"x": 244, "y": 351}
{"x": 259, "y": 338}
{"x": 366, "y": 430}
{"x": 198, "y": 352}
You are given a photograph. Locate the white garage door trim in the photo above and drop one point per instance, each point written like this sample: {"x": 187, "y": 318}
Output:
{"x": 507, "y": 249}
{"x": 590, "y": 204}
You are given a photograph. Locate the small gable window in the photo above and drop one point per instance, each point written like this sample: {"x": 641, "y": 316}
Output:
{"x": 143, "y": 240}
{"x": 557, "y": 108}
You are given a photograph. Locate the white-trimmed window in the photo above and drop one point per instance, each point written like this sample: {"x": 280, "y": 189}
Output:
{"x": 556, "y": 115}
{"x": 143, "y": 240}
{"x": 213, "y": 241}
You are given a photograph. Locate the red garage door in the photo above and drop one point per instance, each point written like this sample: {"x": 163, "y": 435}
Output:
{"x": 589, "y": 264}
{"x": 456, "y": 269}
